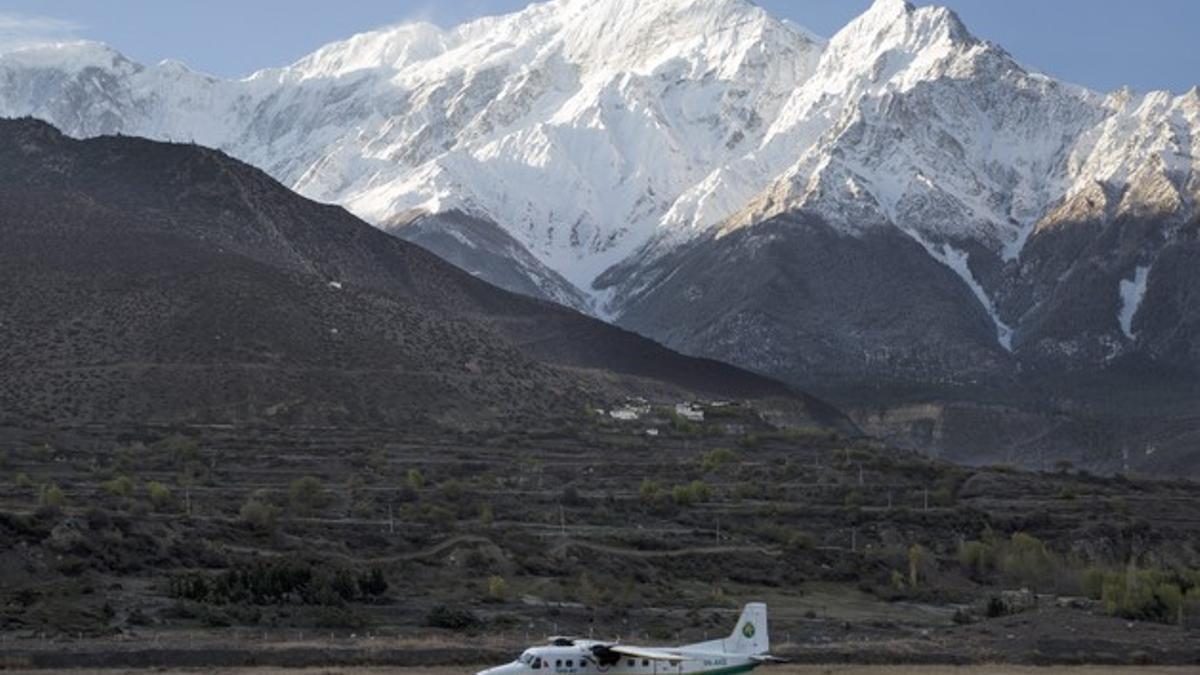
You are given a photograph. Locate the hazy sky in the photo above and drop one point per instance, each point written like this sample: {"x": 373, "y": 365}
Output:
{"x": 1103, "y": 44}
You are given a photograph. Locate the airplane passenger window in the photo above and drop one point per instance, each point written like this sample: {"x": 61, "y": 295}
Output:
{"x": 631, "y": 663}
{"x": 558, "y": 663}
{"x": 645, "y": 663}
{"x": 570, "y": 663}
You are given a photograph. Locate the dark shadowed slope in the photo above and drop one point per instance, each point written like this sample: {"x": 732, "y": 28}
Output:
{"x": 147, "y": 282}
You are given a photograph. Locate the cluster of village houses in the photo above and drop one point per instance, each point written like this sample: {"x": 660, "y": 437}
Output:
{"x": 637, "y": 409}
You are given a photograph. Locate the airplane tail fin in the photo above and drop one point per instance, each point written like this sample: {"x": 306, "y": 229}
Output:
{"x": 750, "y": 636}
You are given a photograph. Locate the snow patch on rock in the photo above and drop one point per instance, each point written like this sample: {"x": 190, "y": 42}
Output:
{"x": 1133, "y": 291}
{"x": 959, "y": 262}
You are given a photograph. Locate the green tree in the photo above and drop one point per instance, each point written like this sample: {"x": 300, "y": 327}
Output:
{"x": 373, "y": 584}
{"x": 1170, "y": 596}
{"x": 159, "y": 495}
{"x": 916, "y": 556}
{"x": 259, "y": 512}
{"x": 415, "y": 480}
{"x": 497, "y": 589}
{"x": 307, "y": 495}
{"x": 377, "y": 461}
{"x": 52, "y": 496}
{"x": 1091, "y": 580}
{"x": 695, "y": 492}
{"x": 648, "y": 490}
{"x": 181, "y": 449}
{"x": 716, "y": 458}
{"x": 976, "y": 556}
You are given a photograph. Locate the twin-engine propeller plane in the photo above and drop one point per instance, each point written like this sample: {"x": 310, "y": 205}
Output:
{"x": 744, "y": 650}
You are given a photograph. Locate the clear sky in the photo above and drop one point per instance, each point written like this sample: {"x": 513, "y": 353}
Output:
{"x": 1103, "y": 44}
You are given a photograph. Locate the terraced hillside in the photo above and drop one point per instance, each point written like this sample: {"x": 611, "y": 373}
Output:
{"x": 244, "y": 541}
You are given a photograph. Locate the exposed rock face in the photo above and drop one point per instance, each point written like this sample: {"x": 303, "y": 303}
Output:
{"x": 797, "y": 297}
{"x": 485, "y": 250}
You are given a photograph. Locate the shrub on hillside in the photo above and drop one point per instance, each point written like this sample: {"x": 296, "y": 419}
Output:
{"x": 716, "y": 458}
{"x": 308, "y": 495}
{"x": 121, "y": 486}
{"x": 159, "y": 496}
{"x": 449, "y": 618}
{"x": 279, "y": 582}
{"x": 1022, "y": 560}
{"x": 1165, "y": 596}
{"x": 51, "y": 496}
{"x": 693, "y": 493}
{"x": 258, "y": 511}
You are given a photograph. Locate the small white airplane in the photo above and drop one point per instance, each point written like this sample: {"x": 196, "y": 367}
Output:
{"x": 744, "y": 650}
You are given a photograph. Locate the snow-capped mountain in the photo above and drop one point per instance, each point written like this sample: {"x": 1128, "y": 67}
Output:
{"x": 622, "y": 156}
{"x": 573, "y": 125}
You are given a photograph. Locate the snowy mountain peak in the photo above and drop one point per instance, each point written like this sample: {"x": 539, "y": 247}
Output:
{"x": 883, "y": 13}
{"x": 637, "y": 36}
{"x": 70, "y": 57}
{"x": 895, "y": 26}
{"x": 393, "y": 48}
{"x": 890, "y": 15}
{"x": 594, "y": 133}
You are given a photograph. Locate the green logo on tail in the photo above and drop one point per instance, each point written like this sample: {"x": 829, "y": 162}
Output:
{"x": 748, "y": 630}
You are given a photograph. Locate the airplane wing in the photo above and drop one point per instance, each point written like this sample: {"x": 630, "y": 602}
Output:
{"x": 643, "y": 653}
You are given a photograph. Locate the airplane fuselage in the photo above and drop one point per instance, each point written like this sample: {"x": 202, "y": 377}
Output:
{"x": 574, "y": 660}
